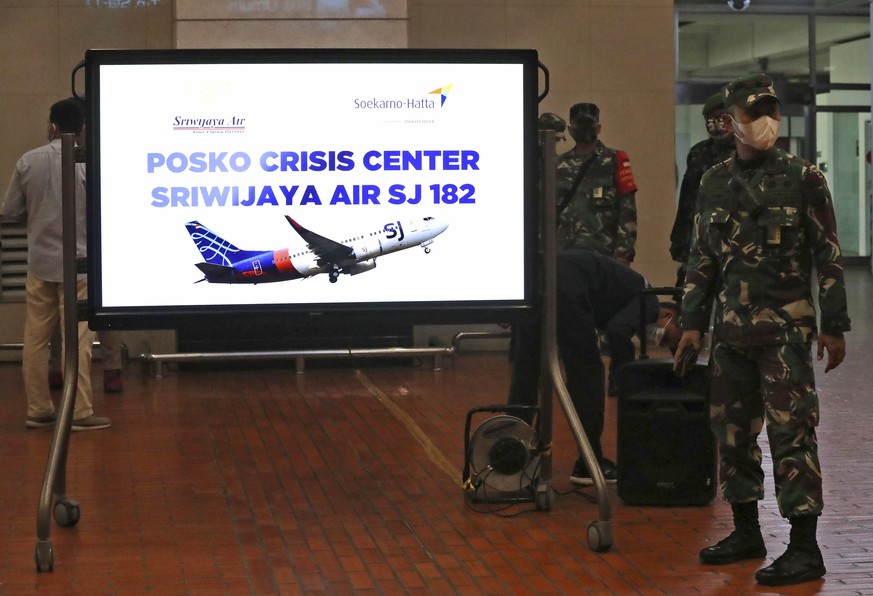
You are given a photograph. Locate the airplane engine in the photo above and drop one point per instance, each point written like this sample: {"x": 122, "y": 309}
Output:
{"x": 361, "y": 267}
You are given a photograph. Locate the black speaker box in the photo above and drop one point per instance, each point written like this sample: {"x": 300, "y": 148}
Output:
{"x": 666, "y": 450}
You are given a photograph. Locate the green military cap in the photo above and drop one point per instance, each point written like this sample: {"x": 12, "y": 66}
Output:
{"x": 587, "y": 111}
{"x": 551, "y": 121}
{"x": 715, "y": 102}
{"x": 746, "y": 90}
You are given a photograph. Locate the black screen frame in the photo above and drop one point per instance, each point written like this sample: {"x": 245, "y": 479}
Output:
{"x": 101, "y": 316}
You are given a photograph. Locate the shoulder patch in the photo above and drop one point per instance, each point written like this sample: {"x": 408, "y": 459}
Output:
{"x": 624, "y": 175}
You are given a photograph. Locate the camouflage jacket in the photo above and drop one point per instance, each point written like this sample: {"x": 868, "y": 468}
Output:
{"x": 759, "y": 229}
{"x": 602, "y": 213}
{"x": 701, "y": 157}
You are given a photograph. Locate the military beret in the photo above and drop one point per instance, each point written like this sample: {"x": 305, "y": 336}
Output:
{"x": 715, "y": 102}
{"x": 746, "y": 90}
{"x": 588, "y": 111}
{"x": 551, "y": 121}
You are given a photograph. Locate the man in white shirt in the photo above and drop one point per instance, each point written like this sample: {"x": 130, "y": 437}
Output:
{"x": 34, "y": 197}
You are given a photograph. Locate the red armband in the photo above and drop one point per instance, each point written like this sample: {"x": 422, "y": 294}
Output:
{"x": 624, "y": 175}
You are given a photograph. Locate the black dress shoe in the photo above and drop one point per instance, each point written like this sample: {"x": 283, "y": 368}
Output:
{"x": 610, "y": 471}
{"x": 736, "y": 547}
{"x": 795, "y": 566}
{"x": 582, "y": 476}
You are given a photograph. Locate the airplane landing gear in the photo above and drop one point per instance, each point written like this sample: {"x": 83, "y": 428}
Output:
{"x": 333, "y": 274}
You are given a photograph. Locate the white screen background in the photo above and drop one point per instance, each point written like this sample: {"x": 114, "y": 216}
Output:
{"x": 148, "y": 258}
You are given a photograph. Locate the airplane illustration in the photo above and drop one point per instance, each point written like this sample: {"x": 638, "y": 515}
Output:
{"x": 227, "y": 264}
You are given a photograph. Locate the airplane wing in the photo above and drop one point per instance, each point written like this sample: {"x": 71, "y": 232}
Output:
{"x": 324, "y": 248}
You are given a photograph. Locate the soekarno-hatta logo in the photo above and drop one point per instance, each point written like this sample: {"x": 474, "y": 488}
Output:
{"x": 443, "y": 92}
{"x": 421, "y": 102}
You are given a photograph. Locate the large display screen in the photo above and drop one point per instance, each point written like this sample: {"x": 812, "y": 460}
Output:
{"x": 240, "y": 183}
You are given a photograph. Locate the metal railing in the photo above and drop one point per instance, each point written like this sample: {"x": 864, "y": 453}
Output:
{"x": 438, "y": 353}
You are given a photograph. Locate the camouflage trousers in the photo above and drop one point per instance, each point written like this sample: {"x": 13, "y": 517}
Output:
{"x": 776, "y": 384}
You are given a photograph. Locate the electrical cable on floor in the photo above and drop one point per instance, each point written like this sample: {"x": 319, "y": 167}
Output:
{"x": 495, "y": 506}
{"x": 578, "y": 492}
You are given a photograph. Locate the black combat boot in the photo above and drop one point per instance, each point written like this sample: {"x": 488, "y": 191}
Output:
{"x": 801, "y": 562}
{"x": 745, "y": 542}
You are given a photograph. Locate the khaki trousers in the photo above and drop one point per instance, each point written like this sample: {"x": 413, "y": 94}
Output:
{"x": 111, "y": 343}
{"x": 45, "y": 307}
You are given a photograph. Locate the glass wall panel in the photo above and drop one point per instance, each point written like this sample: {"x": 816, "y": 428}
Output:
{"x": 825, "y": 92}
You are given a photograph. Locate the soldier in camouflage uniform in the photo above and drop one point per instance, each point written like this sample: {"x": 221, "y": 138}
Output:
{"x": 702, "y": 156}
{"x": 764, "y": 218}
{"x": 595, "y": 192}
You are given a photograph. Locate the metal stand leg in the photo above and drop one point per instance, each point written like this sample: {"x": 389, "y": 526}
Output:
{"x": 66, "y": 511}
{"x": 600, "y": 530}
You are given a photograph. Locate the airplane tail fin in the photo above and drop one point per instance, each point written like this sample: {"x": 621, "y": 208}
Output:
{"x": 215, "y": 249}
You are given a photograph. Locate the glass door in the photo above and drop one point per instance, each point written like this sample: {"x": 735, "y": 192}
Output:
{"x": 818, "y": 52}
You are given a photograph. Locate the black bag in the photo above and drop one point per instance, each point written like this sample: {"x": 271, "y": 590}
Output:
{"x": 666, "y": 449}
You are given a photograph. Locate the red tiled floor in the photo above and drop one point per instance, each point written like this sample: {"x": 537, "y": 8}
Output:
{"x": 344, "y": 481}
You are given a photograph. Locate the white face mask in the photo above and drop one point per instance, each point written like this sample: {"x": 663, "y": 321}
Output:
{"x": 760, "y": 134}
